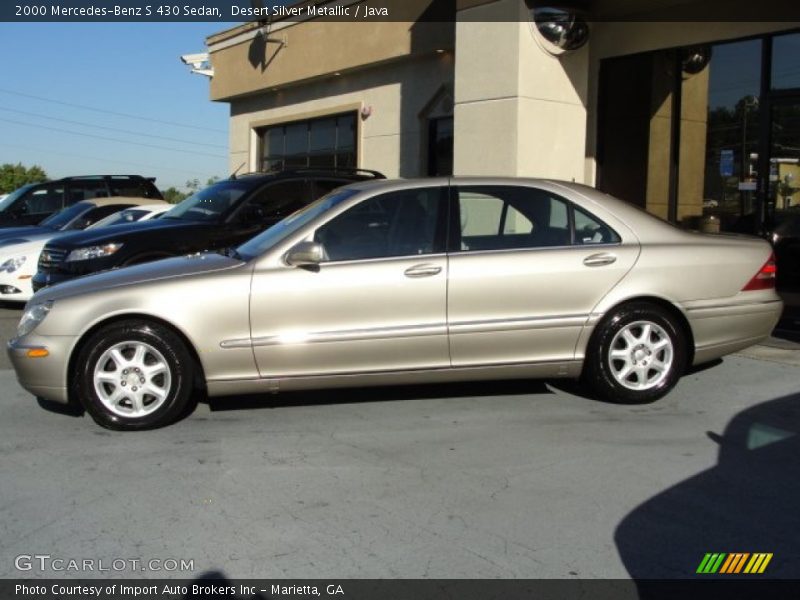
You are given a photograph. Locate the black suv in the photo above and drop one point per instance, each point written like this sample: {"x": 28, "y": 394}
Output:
{"x": 222, "y": 215}
{"x": 32, "y": 203}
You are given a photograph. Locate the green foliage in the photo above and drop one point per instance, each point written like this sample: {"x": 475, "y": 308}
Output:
{"x": 174, "y": 195}
{"x": 14, "y": 176}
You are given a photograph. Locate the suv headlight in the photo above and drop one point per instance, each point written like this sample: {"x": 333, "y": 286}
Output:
{"x": 32, "y": 317}
{"x": 12, "y": 264}
{"x": 91, "y": 252}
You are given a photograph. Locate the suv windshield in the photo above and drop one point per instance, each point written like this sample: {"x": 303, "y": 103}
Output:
{"x": 209, "y": 204}
{"x": 265, "y": 240}
{"x": 61, "y": 219}
{"x": 12, "y": 197}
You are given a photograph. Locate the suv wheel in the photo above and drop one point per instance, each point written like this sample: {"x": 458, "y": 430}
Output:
{"x": 637, "y": 355}
{"x": 134, "y": 375}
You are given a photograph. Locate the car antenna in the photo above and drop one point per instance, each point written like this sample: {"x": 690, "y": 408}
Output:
{"x": 233, "y": 175}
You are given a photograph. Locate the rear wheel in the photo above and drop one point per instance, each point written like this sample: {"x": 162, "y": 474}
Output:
{"x": 637, "y": 355}
{"x": 134, "y": 375}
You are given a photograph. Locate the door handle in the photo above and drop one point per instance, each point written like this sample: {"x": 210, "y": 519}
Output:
{"x": 422, "y": 271}
{"x": 599, "y": 260}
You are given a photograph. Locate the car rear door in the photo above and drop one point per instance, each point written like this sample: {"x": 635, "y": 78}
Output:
{"x": 526, "y": 269}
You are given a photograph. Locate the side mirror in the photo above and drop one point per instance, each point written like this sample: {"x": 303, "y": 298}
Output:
{"x": 305, "y": 254}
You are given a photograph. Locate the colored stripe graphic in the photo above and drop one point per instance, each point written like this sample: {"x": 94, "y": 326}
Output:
{"x": 733, "y": 563}
{"x": 759, "y": 562}
{"x": 711, "y": 562}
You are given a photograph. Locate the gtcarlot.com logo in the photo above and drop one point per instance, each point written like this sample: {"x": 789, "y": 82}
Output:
{"x": 734, "y": 563}
{"x": 47, "y": 562}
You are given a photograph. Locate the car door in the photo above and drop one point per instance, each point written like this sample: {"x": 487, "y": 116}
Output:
{"x": 526, "y": 269}
{"x": 376, "y": 303}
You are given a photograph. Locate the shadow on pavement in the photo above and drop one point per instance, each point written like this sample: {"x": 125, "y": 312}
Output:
{"x": 747, "y": 503}
{"x": 378, "y": 394}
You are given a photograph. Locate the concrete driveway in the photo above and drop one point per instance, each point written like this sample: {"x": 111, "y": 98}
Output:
{"x": 514, "y": 480}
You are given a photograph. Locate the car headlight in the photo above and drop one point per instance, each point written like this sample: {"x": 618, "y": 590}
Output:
{"x": 12, "y": 264}
{"x": 91, "y": 252}
{"x": 32, "y": 317}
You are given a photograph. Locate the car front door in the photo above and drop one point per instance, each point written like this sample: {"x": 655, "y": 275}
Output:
{"x": 376, "y": 303}
{"x": 526, "y": 269}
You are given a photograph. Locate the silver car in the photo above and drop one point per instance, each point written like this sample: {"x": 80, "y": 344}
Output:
{"x": 391, "y": 282}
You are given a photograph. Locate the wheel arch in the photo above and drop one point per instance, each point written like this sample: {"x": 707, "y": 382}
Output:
{"x": 671, "y": 308}
{"x": 199, "y": 378}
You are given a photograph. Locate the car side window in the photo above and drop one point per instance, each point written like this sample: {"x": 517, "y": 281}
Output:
{"x": 589, "y": 231}
{"x": 323, "y": 187}
{"x": 516, "y": 217}
{"x": 278, "y": 200}
{"x": 505, "y": 217}
{"x": 86, "y": 190}
{"x": 394, "y": 224}
{"x": 44, "y": 200}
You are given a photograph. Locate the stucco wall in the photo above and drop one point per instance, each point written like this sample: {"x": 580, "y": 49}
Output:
{"x": 390, "y": 140}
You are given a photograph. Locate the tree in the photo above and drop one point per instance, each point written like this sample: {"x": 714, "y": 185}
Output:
{"x": 14, "y": 176}
{"x": 193, "y": 185}
{"x": 174, "y": 195}
{"x": 212, "y": 180}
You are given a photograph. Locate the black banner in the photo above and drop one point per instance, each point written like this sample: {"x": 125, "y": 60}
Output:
{"x": 213, "y": 587}
{"x": 234, "y": 11}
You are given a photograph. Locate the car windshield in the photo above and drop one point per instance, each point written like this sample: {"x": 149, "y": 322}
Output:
{"x": 210, "y": 203}
{"x": 64, "y": 217}
{"x": 12, "y": 197}
{"x": 267, "y": 239}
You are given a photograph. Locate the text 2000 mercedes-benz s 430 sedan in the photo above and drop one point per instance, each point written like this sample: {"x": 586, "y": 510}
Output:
{"x": 389, "y": 282}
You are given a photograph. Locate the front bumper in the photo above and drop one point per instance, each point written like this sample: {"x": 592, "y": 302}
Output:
{"x": 44, "y": 377}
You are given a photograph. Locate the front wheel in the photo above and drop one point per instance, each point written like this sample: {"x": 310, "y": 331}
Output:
{"x": 134, "y": 375}
{"x": 637, "y": 355}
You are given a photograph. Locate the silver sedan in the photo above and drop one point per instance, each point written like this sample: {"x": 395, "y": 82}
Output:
{"x": 392, "y": 282}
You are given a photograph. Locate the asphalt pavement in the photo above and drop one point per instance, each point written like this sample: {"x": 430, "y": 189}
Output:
{"x": 486, "y": 480}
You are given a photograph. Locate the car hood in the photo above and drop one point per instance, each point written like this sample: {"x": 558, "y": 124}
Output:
{"x": 6, "y": 243}
{"x": 24, "y": 247}
{"x": 12, "y": 232}
{"x": 103, "y": 235}
{"x": 167, "y": 269}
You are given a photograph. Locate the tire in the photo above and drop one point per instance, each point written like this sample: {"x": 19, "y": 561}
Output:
{"x": 636, "y": 356}
{"x": 134, "y": 375}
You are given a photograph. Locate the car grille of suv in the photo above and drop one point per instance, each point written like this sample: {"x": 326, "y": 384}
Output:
{"x": 51, "y": 257}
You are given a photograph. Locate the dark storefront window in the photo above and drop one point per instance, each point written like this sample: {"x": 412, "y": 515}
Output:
{"x": 325, "y": 142}
{"x": 705, "y": 136}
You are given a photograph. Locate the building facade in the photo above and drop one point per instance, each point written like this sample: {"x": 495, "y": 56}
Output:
{"x": 685, "y": 118}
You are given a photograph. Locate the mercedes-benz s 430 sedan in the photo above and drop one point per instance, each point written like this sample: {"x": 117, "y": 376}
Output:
{"x": 390, "y": 282}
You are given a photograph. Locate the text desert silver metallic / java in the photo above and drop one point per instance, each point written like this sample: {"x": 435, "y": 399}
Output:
{"x": 389, "y": 282}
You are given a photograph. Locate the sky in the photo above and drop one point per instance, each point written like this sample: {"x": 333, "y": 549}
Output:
{"x": 61, "y": 82}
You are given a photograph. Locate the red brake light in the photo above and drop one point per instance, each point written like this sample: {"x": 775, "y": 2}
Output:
{"x": 765, "y": 278}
